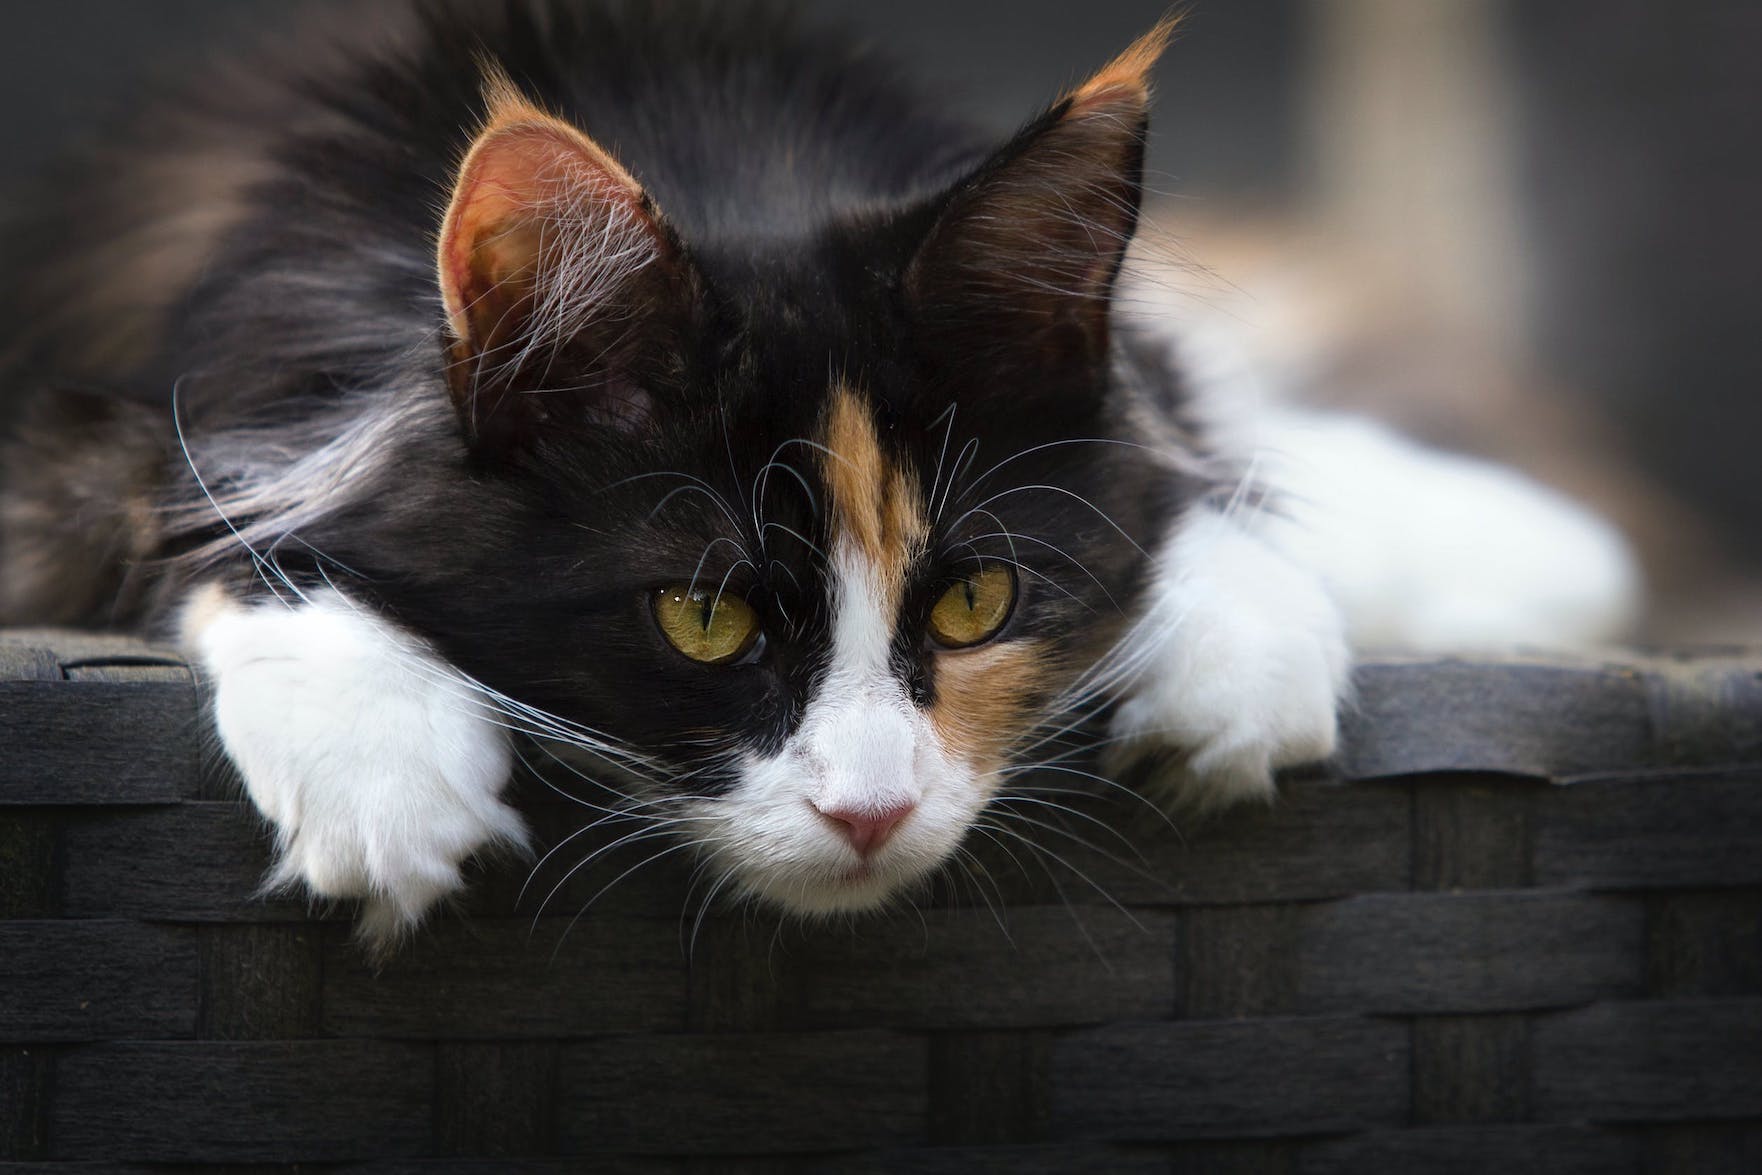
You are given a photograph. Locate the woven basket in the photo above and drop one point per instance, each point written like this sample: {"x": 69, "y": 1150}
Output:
{"x": 1526, "y": 936}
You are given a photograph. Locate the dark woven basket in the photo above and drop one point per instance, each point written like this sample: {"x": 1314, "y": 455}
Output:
{"x": 1526, "y": 938}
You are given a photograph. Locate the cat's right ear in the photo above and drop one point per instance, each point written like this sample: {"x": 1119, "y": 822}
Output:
{"x": 1015, "y": 278}
{"x": 564, "y": 291}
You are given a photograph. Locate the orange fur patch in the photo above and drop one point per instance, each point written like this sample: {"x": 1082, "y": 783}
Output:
{"x": 509, "y": 109}
{"x": 874, "y": 502}
{"x": 1128, "y": 75}
{"x": 983, "y": 699}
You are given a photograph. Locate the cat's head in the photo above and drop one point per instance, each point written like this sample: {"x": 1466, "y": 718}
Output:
{"x": 818, "y": 540}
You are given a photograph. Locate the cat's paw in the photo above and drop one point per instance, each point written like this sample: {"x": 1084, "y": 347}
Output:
{"x": 1244, "y": 675}
{"x": 377, "y": 767}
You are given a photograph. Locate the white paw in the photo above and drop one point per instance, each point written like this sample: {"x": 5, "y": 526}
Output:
{"x": 379, "y": 770}
{"x": 1246, "y": 670}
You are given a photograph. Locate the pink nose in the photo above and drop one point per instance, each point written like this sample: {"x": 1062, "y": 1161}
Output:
{"x": 867, "y": 829}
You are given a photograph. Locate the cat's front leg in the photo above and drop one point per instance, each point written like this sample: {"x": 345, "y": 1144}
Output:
{"x": 379, "y": 768}
{"x": 1244, "y": 664}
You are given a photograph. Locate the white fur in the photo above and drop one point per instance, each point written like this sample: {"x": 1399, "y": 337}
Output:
{"x": 1423, "y": 550}
{"x": 861, "y": 746}
{"x": 378, "y": 767}
{"x": 1245, "y": 660}
{"x": 1429, "y": 551}
{"x": 1345, "y": 533}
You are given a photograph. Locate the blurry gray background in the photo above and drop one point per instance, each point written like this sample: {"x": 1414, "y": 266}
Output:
{"x": 1562, "y": 197}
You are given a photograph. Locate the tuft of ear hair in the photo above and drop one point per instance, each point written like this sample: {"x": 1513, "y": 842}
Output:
{"x": 1128, "y": 75}
{"x": 553, "y": 268}
{"x": 1022, "y": 259}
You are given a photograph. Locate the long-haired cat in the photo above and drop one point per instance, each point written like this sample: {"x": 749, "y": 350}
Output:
{"x": 673, "y": 384}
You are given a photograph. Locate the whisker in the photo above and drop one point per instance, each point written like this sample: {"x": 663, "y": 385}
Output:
{"x": 1018, "y": 797}
{"x": 646, "y": 861}
{"x": 1063, "y": 861}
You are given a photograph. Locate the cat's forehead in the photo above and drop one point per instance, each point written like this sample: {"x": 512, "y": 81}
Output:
{"x": 778, "y": 480}
{"x": 876, "y": 509}
{"x": 832, "y": 481}
{"x": 811, "y": 313}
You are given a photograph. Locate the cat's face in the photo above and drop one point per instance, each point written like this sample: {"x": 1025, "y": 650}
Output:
{"x": 897, "y": 626}
{"x": 814, "y": 547}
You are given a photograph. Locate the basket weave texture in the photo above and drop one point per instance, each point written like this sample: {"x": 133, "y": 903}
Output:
{"x": 1519, "y": 929}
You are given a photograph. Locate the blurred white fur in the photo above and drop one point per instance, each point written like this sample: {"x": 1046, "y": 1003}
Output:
{"x": 1344, "y": 534}
{"x": 1423, "y": 550}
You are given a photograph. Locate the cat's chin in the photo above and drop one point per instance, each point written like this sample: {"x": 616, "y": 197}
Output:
{"x": 856, "y": 890}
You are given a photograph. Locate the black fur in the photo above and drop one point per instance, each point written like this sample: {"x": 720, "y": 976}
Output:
{"x": 802, "y": 181}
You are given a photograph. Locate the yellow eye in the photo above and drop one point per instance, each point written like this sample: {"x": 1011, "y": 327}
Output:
{"x": 716, "y": 631}
{"x": 974, "y": 609}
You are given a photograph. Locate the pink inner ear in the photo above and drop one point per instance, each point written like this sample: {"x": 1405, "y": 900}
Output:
{"x": 524, "y": 187}
{"x": 550, "y": 259}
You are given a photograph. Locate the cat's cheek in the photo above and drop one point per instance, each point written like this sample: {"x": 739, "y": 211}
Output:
{"x": 985, "y": 700}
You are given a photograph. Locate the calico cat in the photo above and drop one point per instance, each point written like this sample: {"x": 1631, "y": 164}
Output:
{"x": 670, "y": 383}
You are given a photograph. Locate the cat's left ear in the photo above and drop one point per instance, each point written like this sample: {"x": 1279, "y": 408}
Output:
{"x": 564, "y": 291}
{"x": 1020, "y": 265}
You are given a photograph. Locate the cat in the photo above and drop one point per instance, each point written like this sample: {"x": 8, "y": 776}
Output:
{"x": 671, "y": 383}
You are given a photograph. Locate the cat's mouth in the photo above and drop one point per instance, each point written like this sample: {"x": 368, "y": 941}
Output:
{"x": 836, "y": 888}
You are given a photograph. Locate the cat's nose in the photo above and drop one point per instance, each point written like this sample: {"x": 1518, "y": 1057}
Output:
{"x": 867, "y": 829}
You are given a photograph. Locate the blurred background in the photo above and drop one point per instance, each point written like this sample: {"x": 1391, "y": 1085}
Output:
{"x": 1530, "y": 228}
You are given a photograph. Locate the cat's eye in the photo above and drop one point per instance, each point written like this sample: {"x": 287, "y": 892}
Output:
{"x": 714, "y": 629}
{"x": 973, "y": 610}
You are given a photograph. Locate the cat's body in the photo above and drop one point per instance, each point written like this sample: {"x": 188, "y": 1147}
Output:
{"x": 670, "y": 384}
